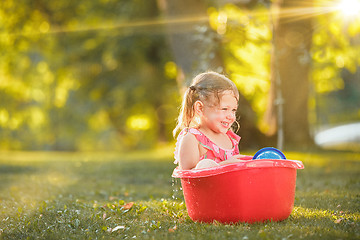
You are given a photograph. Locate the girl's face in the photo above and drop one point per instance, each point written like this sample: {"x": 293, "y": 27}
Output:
{"x": 219, "y": 118}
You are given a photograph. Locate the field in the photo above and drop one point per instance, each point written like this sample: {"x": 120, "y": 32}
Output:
{"x": 56, "y": 195}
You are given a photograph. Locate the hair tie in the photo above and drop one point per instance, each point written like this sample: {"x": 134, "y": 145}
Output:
{"x": 192, "y": 88}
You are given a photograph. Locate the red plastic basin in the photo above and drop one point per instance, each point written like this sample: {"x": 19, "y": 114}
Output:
{"x": 253, "y": 191}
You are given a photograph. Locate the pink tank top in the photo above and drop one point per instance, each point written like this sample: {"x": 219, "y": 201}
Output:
{"x": 213, "y": 151}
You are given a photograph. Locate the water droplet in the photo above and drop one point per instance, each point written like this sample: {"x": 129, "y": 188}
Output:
{"x": 176, "y": 189}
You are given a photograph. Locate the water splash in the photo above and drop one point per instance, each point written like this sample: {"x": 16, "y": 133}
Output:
{"x": 177, "y": 193}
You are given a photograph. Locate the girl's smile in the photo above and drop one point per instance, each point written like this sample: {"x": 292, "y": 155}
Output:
{"x": 220, "y": 118}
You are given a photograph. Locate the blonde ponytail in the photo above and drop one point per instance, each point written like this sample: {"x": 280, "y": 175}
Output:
{"x": 186, "y": 111}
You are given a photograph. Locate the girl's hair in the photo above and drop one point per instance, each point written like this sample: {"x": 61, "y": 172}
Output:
{"x": 207, "y": 87}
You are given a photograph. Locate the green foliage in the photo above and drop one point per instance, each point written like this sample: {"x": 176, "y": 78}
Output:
{"x": 246, "y": 49}
{"x": 83, "y": 70}
{"x": 108, "y": 195}
{"x": 335, "y": 74}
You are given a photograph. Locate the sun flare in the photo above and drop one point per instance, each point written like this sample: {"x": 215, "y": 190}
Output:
{"x": 349, "y": 7}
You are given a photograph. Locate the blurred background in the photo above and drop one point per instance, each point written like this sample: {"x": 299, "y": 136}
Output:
{"x": 105, "y": 75}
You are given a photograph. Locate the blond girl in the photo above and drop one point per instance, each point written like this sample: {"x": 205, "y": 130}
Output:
{"x": 207, "y": 114}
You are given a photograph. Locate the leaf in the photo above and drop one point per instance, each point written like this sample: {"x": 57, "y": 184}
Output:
{"x": 338, "y": 220}
{"x": 128, "y": 206}
{"x": 171, "y": 230}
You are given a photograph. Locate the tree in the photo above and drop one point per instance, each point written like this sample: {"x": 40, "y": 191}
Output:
{"x": 291, "y": 64}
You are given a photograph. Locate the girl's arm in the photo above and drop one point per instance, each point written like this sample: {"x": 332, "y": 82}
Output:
{"x": 189, "y": 153}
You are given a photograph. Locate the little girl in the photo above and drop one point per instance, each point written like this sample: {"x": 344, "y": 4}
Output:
{"x": 207, "y": 113}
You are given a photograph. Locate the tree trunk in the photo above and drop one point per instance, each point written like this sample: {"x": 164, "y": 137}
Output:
{"x": 191, "y": 39}
{"x": 197, "y": 48}
{"x": 290, "y": 75}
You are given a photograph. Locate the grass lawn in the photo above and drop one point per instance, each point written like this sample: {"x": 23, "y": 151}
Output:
{"x": 131, "y": 196}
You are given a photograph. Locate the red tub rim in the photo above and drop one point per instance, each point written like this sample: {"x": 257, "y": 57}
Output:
{"x": 251, "y": 164}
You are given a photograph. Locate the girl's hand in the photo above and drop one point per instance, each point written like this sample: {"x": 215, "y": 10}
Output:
{"x": 236, "y": 158}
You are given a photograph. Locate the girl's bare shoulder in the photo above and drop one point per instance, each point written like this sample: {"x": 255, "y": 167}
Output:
{"x": 189, "y": 138}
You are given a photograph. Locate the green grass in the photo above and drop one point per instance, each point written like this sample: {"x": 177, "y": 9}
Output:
{"x": 84, "y": 196}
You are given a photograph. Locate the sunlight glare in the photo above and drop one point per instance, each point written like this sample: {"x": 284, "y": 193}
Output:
{"x": 349, "y": 7}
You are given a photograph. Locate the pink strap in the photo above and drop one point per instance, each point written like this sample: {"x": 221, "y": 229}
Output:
{"x": 214, "y": 152}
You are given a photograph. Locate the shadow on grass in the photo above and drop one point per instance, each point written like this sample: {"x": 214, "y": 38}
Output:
{"x": 129, "y": 180}
{"x": 333, "y": 187}
{"x": 10, "y": 173}
{"x": 13, "y": 169}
